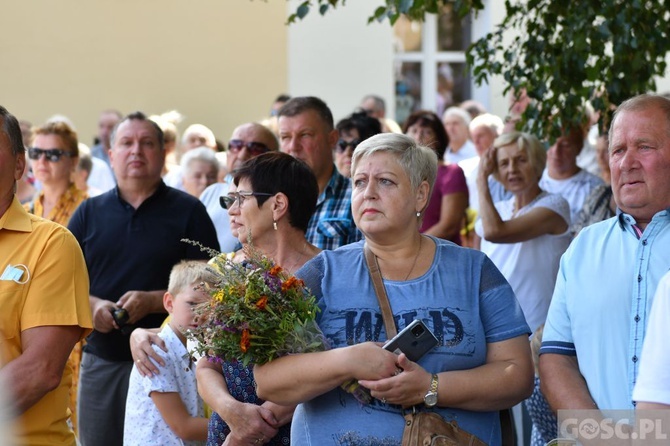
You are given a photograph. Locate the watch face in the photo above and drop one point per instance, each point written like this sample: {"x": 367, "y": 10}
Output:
{"x": 430, "y": 399}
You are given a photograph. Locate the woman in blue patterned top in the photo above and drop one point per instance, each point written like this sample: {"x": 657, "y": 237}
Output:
{"x": 482, "y": 363}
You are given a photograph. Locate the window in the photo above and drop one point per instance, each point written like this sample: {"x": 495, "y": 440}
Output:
{"x": 430, "y": 70}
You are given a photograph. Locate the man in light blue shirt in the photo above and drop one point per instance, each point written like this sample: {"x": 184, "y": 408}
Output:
{"x": 607, "y": 278}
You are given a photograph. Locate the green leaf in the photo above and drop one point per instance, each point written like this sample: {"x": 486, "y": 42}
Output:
{"x": 302, "y": 10}
{"x": 323, "y": 8}
{"x": 380, "y": 12}
{"x": 404, "y": 5}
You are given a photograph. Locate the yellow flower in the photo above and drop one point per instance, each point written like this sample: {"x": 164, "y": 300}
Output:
{"x": 219, "y": 295}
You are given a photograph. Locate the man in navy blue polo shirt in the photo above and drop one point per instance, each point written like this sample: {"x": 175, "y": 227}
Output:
{"x": 131, "y": 237}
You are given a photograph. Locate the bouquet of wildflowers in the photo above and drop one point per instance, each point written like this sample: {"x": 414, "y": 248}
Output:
{"x": 259, "y": 312}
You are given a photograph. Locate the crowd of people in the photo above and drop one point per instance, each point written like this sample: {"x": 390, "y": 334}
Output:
{"x": 495, "y": 242}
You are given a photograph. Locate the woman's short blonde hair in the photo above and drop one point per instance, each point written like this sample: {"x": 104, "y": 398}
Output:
{"x": 62, "y": 130}
{"x": 529, "y": 144}
{"x": 419, "y": 162}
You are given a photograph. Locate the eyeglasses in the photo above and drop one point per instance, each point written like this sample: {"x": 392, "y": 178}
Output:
{"x": 342, "y": 145}
{"x": 254, "y": 148}
{"x": 53, "y": 155}
{"x": 227, "y": 201}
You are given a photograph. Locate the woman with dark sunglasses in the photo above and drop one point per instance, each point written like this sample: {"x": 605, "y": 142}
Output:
{"x": 353, "y": 129}
{"x": 54, "y": 155}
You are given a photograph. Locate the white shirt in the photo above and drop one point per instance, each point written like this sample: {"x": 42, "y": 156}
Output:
{"x": 653, "y": 380}
{"x": 174, "y": 178}
{"x": 101, "y": 177}
{"x": 144, "y": 424}
{"x": 574, "y": 189}
{"x": 530, "y": 267}
{"x": 498, "y": 192}
{"x": 588, "y": 157}
{"x": 468, "y": 150}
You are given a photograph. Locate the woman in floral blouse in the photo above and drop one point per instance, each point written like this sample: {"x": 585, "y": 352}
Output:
{"x": 53, "y": 156}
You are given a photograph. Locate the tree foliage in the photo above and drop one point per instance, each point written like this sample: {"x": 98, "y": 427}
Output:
{"x": 565, "y": 53}
{"x": 390, "y": 9}
{"x": 562, "y": 53}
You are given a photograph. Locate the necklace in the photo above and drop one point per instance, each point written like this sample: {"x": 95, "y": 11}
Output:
{"x": 415, "y": 259}
{"x": 302, "y": 254}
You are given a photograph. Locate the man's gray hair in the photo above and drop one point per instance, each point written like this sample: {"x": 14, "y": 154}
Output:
{"x": 459, "y": 112}
{"x": 642, "y": 102}
{"x": 490, "y": 121}
{"x": 380, "y": 104}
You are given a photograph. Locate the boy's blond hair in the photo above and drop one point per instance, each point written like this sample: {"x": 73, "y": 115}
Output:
{"x": 186, "y": 274}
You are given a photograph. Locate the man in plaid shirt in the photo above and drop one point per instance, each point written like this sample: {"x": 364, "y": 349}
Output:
{"x": 306, "y": 131}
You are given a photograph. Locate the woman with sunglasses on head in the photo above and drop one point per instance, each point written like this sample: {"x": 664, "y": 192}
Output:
{"x": 269, "y": 205}
{"x": 353, "y": 129}
{"x": 445, "y": 213}
{"x": 54, "y": 154}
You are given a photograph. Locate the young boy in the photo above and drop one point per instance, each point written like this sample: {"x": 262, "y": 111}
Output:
{"x": 165, "y": 409}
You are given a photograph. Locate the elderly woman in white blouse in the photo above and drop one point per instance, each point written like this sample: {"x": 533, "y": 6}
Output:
{"x": 525, "y": 235}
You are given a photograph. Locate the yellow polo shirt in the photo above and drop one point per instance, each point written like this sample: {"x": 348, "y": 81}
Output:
{"x": 55, "y": 292}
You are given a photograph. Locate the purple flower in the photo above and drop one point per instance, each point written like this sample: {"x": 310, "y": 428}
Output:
{"x": 273, "y": 282}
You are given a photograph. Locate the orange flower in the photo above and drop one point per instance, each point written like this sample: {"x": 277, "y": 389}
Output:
{"x": 288, "y": 284}
{"x": 275, "y": 270}
{"x": 245, "y": 342}
{"x": 262, "y": 303}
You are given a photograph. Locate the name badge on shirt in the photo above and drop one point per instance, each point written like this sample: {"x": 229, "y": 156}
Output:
{"x": 15, "y": 273}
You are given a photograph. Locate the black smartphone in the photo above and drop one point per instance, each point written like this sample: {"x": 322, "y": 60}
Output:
{"x": 414, "y": 341}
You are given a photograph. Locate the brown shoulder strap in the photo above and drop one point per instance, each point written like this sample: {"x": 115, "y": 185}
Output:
{"x": 380, "y": 291}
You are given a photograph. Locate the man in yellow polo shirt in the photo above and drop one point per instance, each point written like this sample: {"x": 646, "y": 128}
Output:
{"x": 45, "y": 307}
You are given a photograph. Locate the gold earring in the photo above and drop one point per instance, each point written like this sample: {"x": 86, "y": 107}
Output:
{"x": 274, "y": 224}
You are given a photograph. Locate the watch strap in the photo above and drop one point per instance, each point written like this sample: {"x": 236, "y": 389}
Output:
{"x": 433, "y": 383}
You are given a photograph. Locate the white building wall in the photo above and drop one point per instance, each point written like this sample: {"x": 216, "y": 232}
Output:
{"x": 340, "y": 58}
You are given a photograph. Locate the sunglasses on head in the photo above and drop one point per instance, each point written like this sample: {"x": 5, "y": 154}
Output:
{"x": 53, "y": 155}
{"x": 254, "y": 148}
{"x": 342, "y": 144}
{"x": 227, "y": 201}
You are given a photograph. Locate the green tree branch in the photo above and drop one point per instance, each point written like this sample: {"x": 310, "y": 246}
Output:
{"x": 562, "y": 53}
